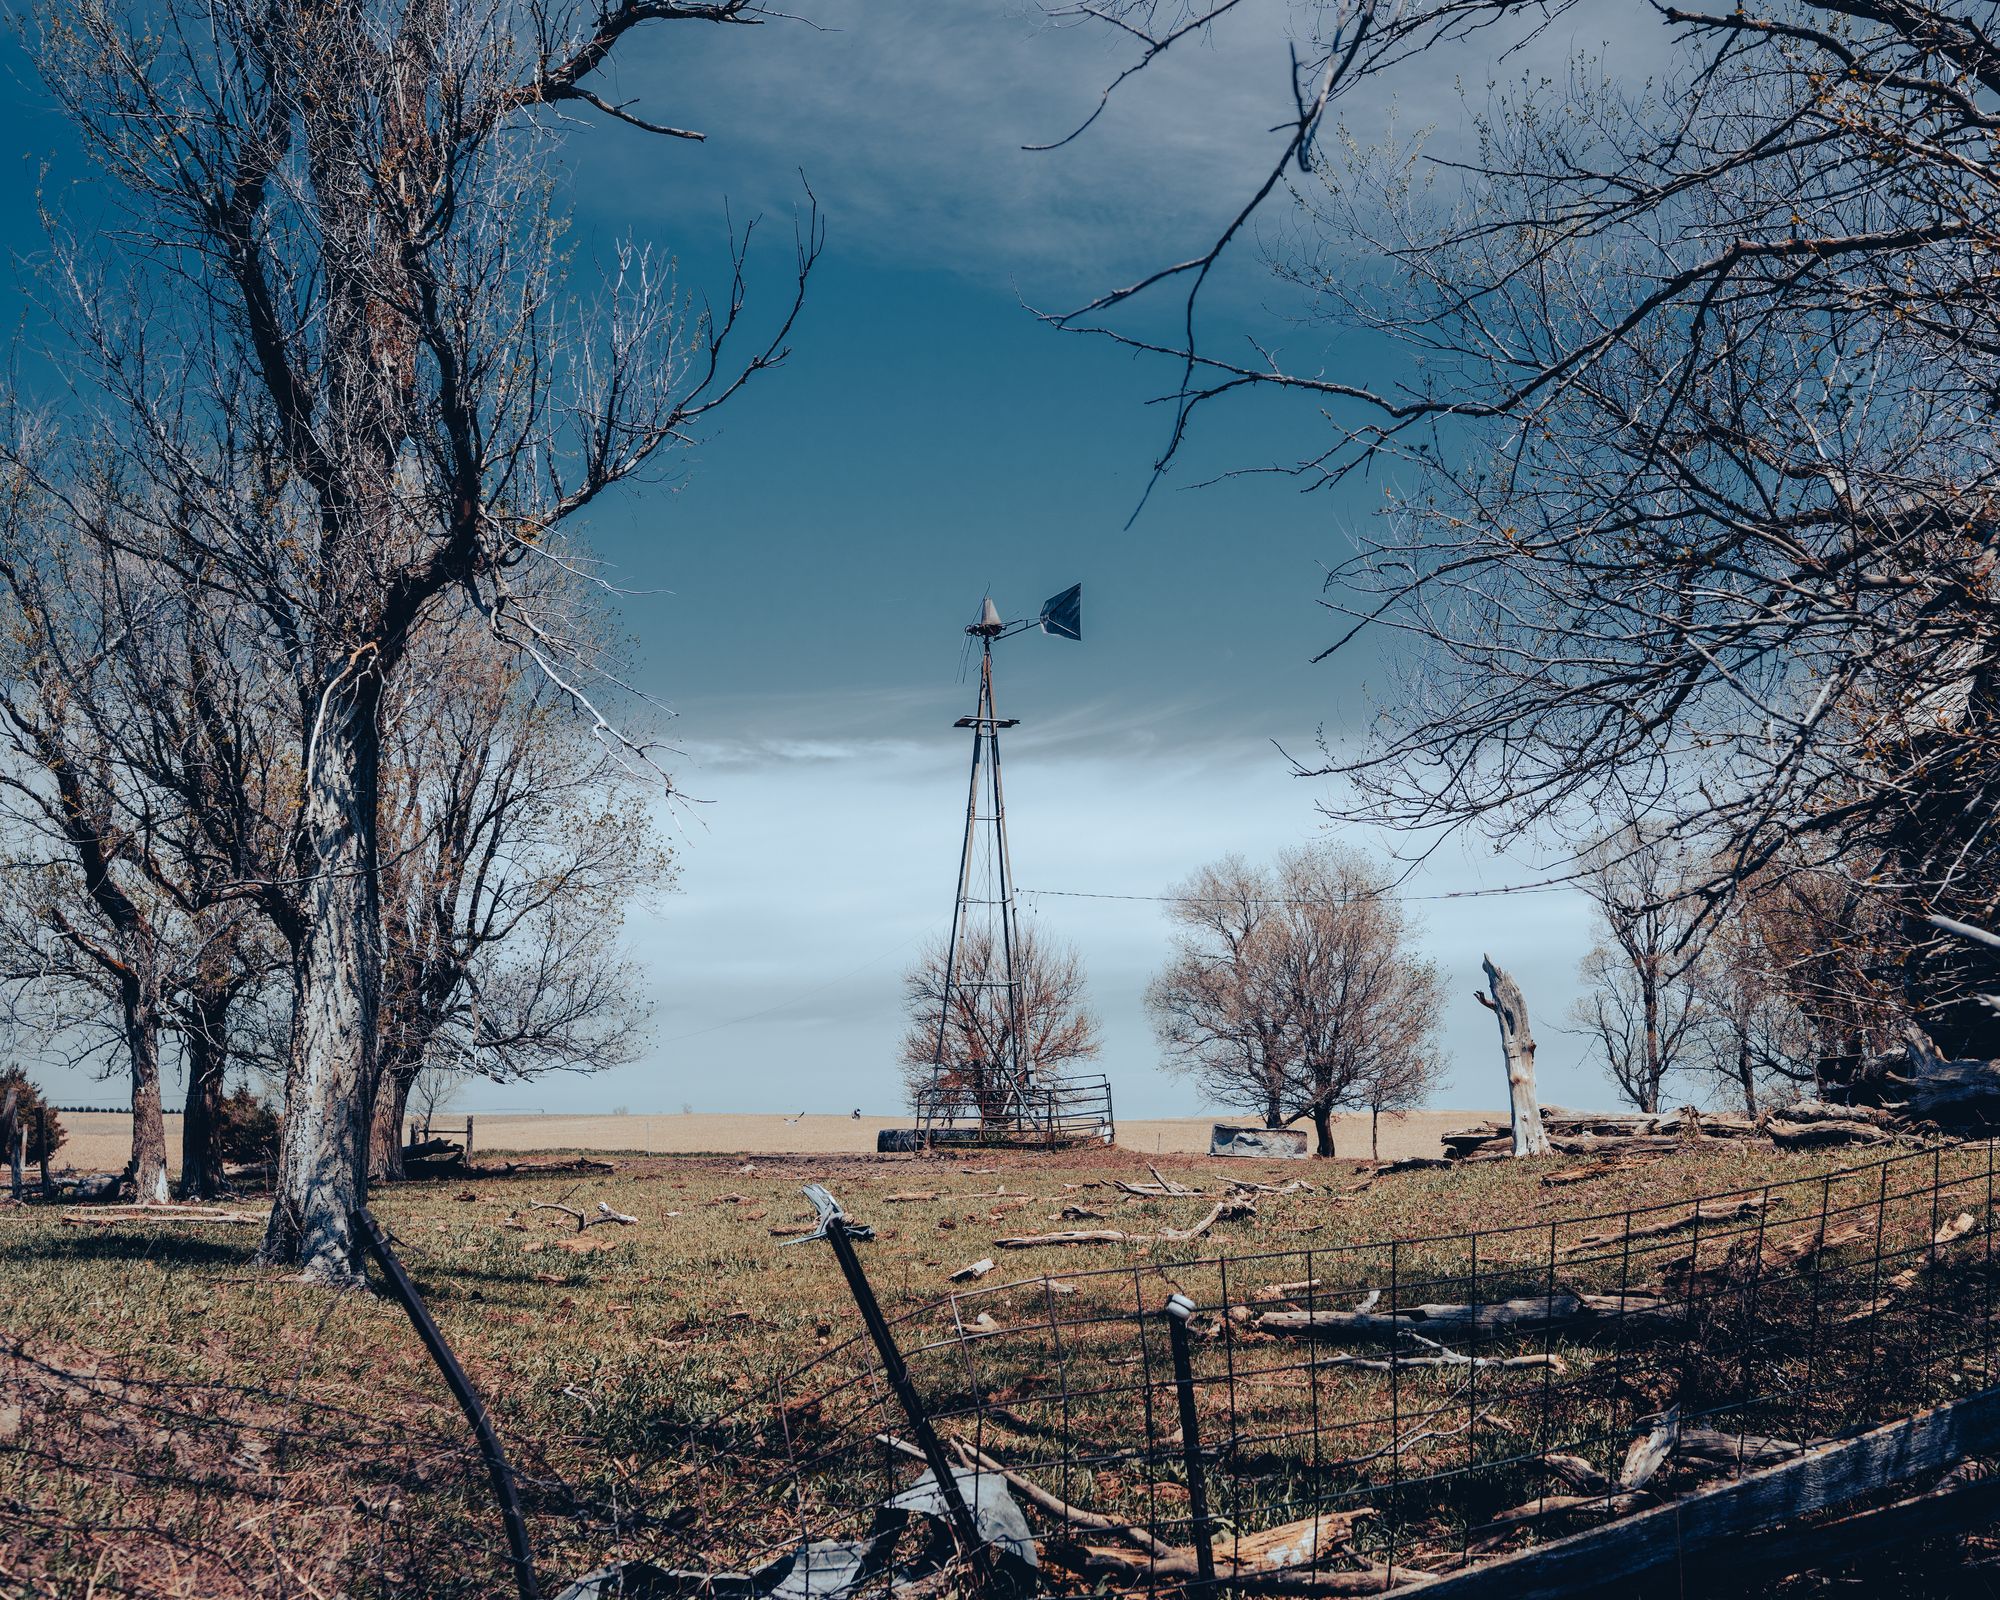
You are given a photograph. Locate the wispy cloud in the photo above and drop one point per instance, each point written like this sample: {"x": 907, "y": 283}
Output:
{"x": 910, "y": 118}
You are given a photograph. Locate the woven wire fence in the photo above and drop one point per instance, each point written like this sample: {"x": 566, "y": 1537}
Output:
{"x": 1344, "y": 1418}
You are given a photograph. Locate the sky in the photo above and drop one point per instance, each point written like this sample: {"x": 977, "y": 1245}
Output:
{"x": 798, "y": 593}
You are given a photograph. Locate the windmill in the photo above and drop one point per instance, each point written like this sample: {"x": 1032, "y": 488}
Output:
{"x": 986, "y": 1087}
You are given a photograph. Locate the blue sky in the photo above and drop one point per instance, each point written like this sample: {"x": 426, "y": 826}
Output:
{"x": 798, "y": 594}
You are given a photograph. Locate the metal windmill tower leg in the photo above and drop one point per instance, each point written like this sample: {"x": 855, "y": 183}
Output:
{"x": 1000, "y": 1080}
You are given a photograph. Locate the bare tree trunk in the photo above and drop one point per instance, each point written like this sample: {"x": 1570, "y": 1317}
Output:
{"x": 1517, "y": 1043}
{"x": 147, "y": 1173}
{"x": 207, "y": 1066}
{"x": 1322, "y": 1121}
{"x": 336, "y": 981}
{"x": 1747, "y": 1076}
{"x": 1649, "y": 1090}
{"x": 392, "y": 1107}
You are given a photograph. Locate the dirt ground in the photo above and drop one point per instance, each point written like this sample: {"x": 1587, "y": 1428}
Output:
{"x": 101, "y": 1141}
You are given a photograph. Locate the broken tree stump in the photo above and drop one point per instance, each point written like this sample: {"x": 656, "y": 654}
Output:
{"x": 1517, "y": 1044}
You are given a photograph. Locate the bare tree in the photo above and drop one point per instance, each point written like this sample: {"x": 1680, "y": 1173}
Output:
{"x": 1394, "y": 1084}
{"x": 516, "y": 842}
{"x": 1217, "y": 1008}
{"x": 1642, "y": 1008}
{"x": 1295, "y": 990}
{"x": 1700, "y": 517}
{"x": 1048, "y": 1006}
{"x": 348, "y": 390}
{"x": 90, "y": 932}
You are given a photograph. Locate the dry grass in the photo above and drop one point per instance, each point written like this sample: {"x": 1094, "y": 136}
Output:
{"x": 302, "y": 1443}
{"x": 101, "y": 1141}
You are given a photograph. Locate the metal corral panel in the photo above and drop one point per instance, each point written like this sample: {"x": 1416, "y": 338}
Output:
{"x": 1265, "y": 1144}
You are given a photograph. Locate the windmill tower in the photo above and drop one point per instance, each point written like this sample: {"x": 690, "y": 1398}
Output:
{"x": 986, "y": 1085}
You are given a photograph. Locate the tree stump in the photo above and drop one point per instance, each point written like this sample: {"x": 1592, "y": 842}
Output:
{"x": 1517, "y": 1043}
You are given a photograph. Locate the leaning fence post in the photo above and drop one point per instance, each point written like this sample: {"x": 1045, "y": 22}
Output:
{"x": 1179, "y": 1308}
{"x": 520, "y": 1552}
{"x": 841, "y": 1234}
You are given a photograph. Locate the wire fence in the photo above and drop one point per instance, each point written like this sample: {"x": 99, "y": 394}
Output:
{"x": 1350, "y": 1417}
{"x": 1334, "y": 1419}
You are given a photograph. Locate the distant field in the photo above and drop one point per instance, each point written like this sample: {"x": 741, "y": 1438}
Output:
{"x": 101, "y": 1141}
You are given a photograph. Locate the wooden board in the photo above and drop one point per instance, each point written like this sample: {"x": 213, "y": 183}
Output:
{"x": 1611, "y": 1557}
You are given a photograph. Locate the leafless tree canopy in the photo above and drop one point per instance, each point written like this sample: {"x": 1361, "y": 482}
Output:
{"x": 1294, "y": 990}
{"x": 1642, "y": 1010}
{"x": 340, "y": 386}
{"x": 1694, "y": 521}
{"x": 513, "y": 843}
{"x": 1051, "y": 1010}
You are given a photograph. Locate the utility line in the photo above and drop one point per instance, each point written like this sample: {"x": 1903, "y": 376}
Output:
{"x": 1310, "y": 900}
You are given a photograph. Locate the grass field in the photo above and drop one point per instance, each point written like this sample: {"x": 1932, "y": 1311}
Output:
{"x": 177, "y": 1421}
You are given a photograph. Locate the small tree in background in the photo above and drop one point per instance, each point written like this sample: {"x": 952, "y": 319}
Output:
{"x": 246, "y": 1126}
{"x": 22, "y": 1105}
{"x": 1642, "y": 1011}
{"x": 1057, "y": 1027}
{"x": 1296, "y": 990}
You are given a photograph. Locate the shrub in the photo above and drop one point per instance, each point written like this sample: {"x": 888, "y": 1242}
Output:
{"x": 45, "y": 1129}
{"x": 249, "y": 1126}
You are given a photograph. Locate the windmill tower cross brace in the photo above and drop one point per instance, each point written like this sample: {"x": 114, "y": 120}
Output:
{"x": 1010, "y": 1099}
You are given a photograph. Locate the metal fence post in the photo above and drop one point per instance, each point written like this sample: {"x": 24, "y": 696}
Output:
{"x": 1179, "y": 1308}
{"x": 840, "y": 1233}
{"x": 520, "y": 1552}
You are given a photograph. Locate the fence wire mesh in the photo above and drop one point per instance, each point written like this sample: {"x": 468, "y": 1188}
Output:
{"x": 1332, "y": 1418}
{"x": 1359, "y": 1415}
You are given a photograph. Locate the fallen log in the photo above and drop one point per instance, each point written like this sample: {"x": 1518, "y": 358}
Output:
{"x": 1735, "y": 1449}
{"x": 1649, "y": 1452}
{"x": 1708, "y": 1211}
{"x": 1221, "y": 1211}
{"x": 1803, "y": 1111}
{"x": 1529, "y": 1315}
{"x": 109, "y": 1216}
{"x": 1557, "y": 1505}
{"x": 1096, "y": 1563}
{"x": 1056, "y": 1507}
{"x": 1578, "y": 1473}
{"x": 1816, "y": 1135}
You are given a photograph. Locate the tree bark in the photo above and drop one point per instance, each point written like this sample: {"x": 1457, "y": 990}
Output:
{"x": 1649, "y": 1091}
{"x": 392, "y": 1107}
{"x": 207, "y": 1066}
{"x": 336, "y": 984}
{"x": 1517, "y": 1044}
{"x": 1322, "y": 1121}
{"x": 139, "y": 998}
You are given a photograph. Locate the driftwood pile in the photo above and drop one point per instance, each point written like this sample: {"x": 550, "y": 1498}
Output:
{"x": 1804, "y": 1125}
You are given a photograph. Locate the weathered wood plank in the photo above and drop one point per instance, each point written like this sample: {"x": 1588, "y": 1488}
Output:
{"x": 1609, "y": 1558}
